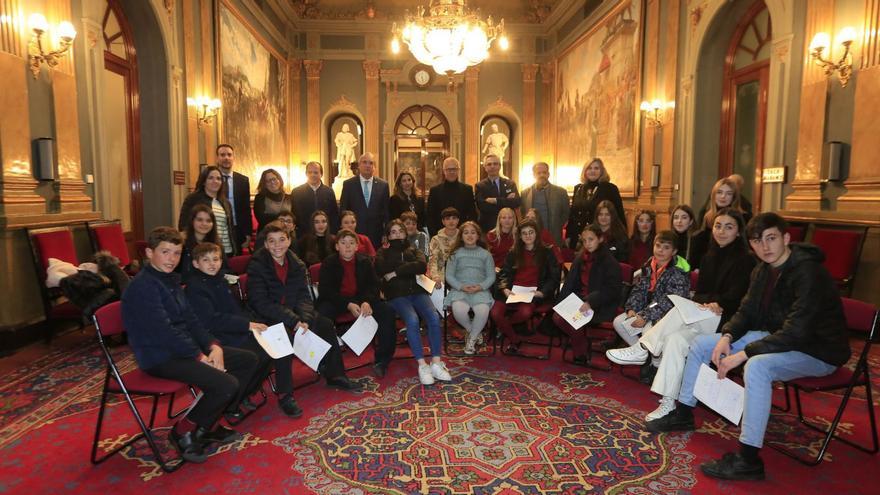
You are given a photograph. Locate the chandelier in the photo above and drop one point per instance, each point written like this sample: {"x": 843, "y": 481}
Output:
{"x": 448, "y": 36}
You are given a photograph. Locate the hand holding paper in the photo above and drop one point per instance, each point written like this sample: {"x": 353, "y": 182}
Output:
{"x": 309, "y": 348}
{"x": 519, "y": 294}
{"x": 570, "y": 310}
{"x": 274, "y": 340}
{"x": 360, "y": 334}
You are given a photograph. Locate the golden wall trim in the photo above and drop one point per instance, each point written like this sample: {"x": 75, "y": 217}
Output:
{"x": 472, "y": 126}
{"x": 11, "y": 40}
{"x": 871, "y": 40}
{"x": 313, "y": 107}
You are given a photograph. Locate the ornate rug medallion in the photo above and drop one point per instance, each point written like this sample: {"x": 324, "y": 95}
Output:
{"x": 486, "y": 432}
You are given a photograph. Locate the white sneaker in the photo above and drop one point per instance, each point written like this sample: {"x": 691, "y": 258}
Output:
{"x": 425, "y": 375}
{"x": 439, "y": 371}
{"x": 667, "y": 405}
{"x": 470, "y": 347}
{"x": 634, "y": 354}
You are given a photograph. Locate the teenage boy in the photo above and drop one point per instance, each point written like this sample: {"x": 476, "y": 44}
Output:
{"x": 278, "y": 291}
{"x": 789, "y": 325}
{"x": 169, "y": 341}
{"x": 208, "y": 293}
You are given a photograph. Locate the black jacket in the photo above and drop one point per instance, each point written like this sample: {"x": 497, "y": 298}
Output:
{"x": 548, "y": 275}
{"x": 456, "y": 194}
{"x": 331, "y": 282}
{"x": 606, "y": 284}
{"x": 241, "y": 192}
{"x": 213, "y": 302}
{"x": 724, "y": 278}
{"x": 201, "y": 198}
{"x": 266, "y": 292}
{"x": 805, "y": 312}
{"x": 306, "y": 201}
{"x": 583, "y": 207}
{"x": 399, "y": 205}
{"x": 312, "y": 249}
{"x": 488, "y": 212}
{"x": 407, "y": 263}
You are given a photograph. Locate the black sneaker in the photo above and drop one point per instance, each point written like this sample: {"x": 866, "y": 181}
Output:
{"x": 647, "y": 372}
{"x": 344, "y": 383}
{"x": 380, "y": 369}
{"x": 234, "y": 416}
{"x": 189, "y": 446}
{"x": 733, "y": 466}
{"x": 289, "y": 406}
{"x": 220, "y": 434}
{"x": 681, "y": 419}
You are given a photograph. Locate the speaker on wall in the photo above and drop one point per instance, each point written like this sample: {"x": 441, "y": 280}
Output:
{"x": 835, "y": 157}
{"x": 44, "y": 159}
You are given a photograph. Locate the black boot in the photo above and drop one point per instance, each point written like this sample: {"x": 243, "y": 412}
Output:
{"x": 681, "y": 419}
{"x": 220, "y": 434}
{"x": 734, "y": 466}
{"x": 188, "y": 445}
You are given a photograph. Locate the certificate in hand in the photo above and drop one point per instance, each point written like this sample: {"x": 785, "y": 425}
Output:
{"x": 723, "y": 396}
{"x": 274, "y": 341}
{"x": 309, "y": 348}
{"x": 519, "y": 294}
{"x": 690, "y": 311}
{"x": 426, "y": 282}
{"x": 360, "y": 334}
{"x": 570, "y": 310}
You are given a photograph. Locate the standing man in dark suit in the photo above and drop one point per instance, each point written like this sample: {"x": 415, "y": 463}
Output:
{"x": 239, "y": 189}
{"x": 313, "y": 196}
{"x": 450, "y": 193}
{"x": 550, "y": 200}
{"x": 368, "y": 198}
{"x": 493, "y": 193}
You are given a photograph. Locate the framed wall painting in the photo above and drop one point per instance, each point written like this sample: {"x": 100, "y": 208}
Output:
{"x": 598, "y": 80}
{"x": 253, "y": 78}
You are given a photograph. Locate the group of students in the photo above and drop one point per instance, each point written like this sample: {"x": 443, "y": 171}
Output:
{"x": 783, "y": 318}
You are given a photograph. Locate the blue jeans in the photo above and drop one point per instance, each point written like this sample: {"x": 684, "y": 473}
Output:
{"x": 760, "y": 373}
{"x": 409, "y": 308}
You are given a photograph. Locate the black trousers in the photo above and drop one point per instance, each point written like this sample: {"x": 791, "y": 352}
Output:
{"x": 386, "y": 335}
{"x": 219, "y": 389}
{"x": 283, "y": 369}
{"x": 331, "y": 366}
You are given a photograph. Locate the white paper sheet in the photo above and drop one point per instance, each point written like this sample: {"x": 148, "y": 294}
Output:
{"x": 723, "y": 396}
{"x": 437, "y": 299}
{"x": 570, "y": 310}
{"x": 690, "y": 311}
{"x": 275, "y": 341}
{"x": 520, "y": 294}
{"x": 309, "y": 348}
{"x": 426, "y": 282}
{"x": 360, "y": 334}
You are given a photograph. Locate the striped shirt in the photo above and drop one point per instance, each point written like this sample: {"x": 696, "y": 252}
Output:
{"x": 222, "y": 226}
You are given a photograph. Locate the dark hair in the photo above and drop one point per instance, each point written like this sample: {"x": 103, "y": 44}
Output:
{"x": 398, "y": 190}
{"x": 737, "y": 217}
{"x": 343, "y": 233}
{"x": 261, "y": 186}
{"x": 286, "y": 213}
{"x": 164, "y": 234}
{"x": 540, "y": 225}
{"x": 449, "y": 211}
{"x": 764, "y": 221}
{"x": 519, "y": 247}
{"x": 316, "y": 214}
{"x": 274, "y": 227}
{"x": 345, "y": 213}
{"x": 666, "y": 237}
{"x": 596, "y": 230}
{"x": 320, "y": 167}
{"x": 223, "y": 145}
{"x": 203, "y": 177}
{"x": 636, "y": 236}
{"x": 618, "y": 230}
{"x": 459, "y": 239}
{"x": 204, "y": 248}
{"x": 190, "y": 231}
{"x": 409, "y": 215}
{"x": 399, "y": 223}
{"x": 690, "y": 211}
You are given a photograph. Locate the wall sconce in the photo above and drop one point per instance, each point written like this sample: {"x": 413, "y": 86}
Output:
{"x": 843, "y": 67}
{"x": 654, "y": 111}
{"x": 206, "y": 108}
{"x": 36, "y": 54}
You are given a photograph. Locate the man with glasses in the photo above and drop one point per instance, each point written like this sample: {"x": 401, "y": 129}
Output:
{"x": 789, "y": 325}
{"x": 368, "y": 197}
{"x": 450, "y": 193}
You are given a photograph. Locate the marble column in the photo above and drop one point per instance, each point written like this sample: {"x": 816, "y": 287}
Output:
{"x": 313, "y": 107}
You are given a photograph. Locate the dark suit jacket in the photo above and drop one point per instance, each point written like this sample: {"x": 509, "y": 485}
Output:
{"x": 241, "y": 193}
{"x": 488, "y": 212}
{"x": 306, "y": 201}
{"x": 456, "y": 194}
{"x": 583, "y": 207}
{"x": 371, "y": 219}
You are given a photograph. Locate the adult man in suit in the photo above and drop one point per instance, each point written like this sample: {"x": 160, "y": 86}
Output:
{"x": 238, "y": 189}
{"x": 313, "y": 196}
{"x": 494, "y": 192}
{"x": 452, "y": 193}
{"x": 368, "y": 198}
{"x": 550, "y": 201}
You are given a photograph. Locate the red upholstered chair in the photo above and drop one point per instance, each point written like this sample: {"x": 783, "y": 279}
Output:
{"x": 343, "y": 321}
{"x": 108, "y": 236}
{"x": 242, "y": 287}
{"x": 842, "y": 249}
{"x": 861, "y": 318}
{"x": 796, "y": 232}
{"x": 108, "y": 322}
{"x": 53, "y": 242}
{"x": 238, "y": 264}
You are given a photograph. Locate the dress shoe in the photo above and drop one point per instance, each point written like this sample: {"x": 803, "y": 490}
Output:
{"x": 344, "y": 383}
{"x": 647, "y": 373}
{"x": 248, "y": 405}
{"x": 189, "y": 446}
{"x": 234, "y": 416}
{"x": 681, "y": 419}
{"x": 733, "y": 466}
{"x": 380, "y": 369}
{"x": 220, "y": 434}
{"x": 581, "y": 360}
{"x": 289, "y": 406}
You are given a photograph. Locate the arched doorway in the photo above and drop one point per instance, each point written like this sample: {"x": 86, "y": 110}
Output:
{"x": 122, "y": 184}
{"x": 744, "y": 101}
{"x": 421, "y": 143}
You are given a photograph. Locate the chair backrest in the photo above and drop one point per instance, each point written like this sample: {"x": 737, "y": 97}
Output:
{"x": 842, "y": 249}
{"x": 314, "y": 279}
{"x": 108, "y": 236}
{"x": 242, "y": 287}
{"x": 108, "y": 319}
{"x": 54, "y": 242}
{"x": 567, "y": 255}
{"x": 860, "y": 316}
{"x": 238, "y": 264}
{"x": 626, "y": 273}
{"x": 695, "y": 275}
{"x": 796, "y": 233}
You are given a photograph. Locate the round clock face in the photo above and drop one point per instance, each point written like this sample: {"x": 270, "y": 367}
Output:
{"x": 422, "y": 77}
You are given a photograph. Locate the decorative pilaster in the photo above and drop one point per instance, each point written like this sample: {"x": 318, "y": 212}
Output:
{"x": 313, "y": 107}
{"x": 69, "y": 186}
{"x": 807, "y": 185}
{"x": 529, "y": 71}
{"x": 649, "y": 151}
{"x": 371, "y": 126}
{"x": 191, "y": 77}
{"x": 208, "y": 74}
{"x": 863, "y": 182}
{"x": 665, "y": 192}
{"x": 294, "y": 116}
{"x": 548, "y": 104}
{"x": 471, "y": 160}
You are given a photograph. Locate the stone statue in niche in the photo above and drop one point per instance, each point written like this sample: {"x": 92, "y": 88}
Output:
{"x": 496, "y": 144}
{"x": 346, "y": 147}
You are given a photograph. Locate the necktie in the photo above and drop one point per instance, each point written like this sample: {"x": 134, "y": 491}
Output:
{"x": 367, "y": 184}
{"x": 498, "y": 187}
{"x": 228, "y": 179}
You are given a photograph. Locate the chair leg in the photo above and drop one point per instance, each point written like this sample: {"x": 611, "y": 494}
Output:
{"x": 100, "y": 422}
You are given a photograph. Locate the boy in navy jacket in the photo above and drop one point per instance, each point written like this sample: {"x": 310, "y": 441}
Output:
{"x": 169, "y": 341}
